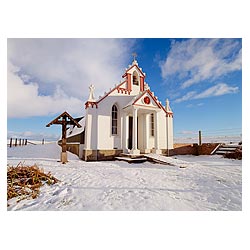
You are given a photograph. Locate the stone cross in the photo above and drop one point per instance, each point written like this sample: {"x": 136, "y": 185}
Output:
{"x": 91, "y": 93}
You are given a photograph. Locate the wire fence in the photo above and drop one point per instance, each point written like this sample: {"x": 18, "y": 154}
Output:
{"x": 226, "y": 135}
{"x": 14, "y": 142}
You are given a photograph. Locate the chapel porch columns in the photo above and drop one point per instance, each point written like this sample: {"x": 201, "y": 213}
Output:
{"x": 135, "y": 150}
{"x": 125, "y": 132}
{"x": 157, "y": 149}
{"x": 146, "y": 134}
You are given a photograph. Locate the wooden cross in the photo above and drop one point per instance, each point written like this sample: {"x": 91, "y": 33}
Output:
{"x": 64, "y": 119}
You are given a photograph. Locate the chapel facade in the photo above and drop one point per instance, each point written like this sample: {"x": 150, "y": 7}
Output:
{"x": 128, "y": 119}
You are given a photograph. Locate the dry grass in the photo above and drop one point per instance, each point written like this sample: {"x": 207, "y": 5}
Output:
{"x": 25, "y": 181}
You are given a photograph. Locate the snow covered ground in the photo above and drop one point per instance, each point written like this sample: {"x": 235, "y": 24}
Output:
{"x": 190, "y": 183}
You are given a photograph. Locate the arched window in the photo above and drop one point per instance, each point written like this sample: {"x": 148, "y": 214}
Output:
{"x": 114, "y": 119}
{"x": 135, "y": 78}
{"x": 152, "y": 122}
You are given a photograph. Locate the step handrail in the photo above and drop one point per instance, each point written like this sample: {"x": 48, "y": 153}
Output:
{"x": 215, "y": 149}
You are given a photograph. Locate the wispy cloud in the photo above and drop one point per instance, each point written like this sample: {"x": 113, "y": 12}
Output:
{"x": 217, "y": 90}
{"x": 191, "y": 105}
{"x": 195, "y": 60}
{"x": 47, "y": 76}
{"x": 186, "y": 97}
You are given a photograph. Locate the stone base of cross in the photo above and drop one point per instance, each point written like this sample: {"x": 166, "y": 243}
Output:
{"x": 64, "y": 157}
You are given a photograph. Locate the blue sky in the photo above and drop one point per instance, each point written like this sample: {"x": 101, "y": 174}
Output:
{"x": 202, "y": 78}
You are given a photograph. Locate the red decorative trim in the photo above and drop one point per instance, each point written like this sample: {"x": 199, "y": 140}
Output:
{"x": 123, "y": 90}
{"x": 92, "y": 104}
{"x": 155, "y": 100}
{"x": 170, "y": 113}
{"x": 150, "y": 93}
{"x": 146, "y": 100}
{"x": 118, "y": 86}
{"x": 141, "y": 83}
{"x": 131, "y": 68}
{"x": 129, "y": 82}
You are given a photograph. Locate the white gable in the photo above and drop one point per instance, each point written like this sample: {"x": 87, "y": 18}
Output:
{"x": 147, "y": 101}
{"x": 134, "y": 69}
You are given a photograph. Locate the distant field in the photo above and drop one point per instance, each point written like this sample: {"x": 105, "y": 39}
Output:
{"x": 205, "y": 139}
{"x": 209, "y": 139}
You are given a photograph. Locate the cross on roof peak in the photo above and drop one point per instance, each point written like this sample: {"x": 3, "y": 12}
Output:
{"x": 134, "y": 55}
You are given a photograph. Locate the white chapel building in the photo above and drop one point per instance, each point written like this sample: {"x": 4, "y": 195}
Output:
{"x": 128, "y": 119}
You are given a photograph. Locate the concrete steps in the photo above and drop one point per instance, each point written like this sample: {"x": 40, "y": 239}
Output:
{"x": 226, "y": 148}
{"x": 131, "y": 158}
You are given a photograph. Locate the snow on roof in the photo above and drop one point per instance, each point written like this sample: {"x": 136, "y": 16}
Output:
{"x": 74, "y": 130}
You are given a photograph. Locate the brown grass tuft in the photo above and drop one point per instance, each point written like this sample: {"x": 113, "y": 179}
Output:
{"x": 25, "y": 181}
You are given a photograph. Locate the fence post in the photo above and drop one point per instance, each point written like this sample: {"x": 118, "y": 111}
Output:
{"x": 199, "y": 137}
{"x": 20, "y": 141}
{"x": 25, "y": 141}
{"x": 10, "y": 142}
{"x": 16, "y": 142}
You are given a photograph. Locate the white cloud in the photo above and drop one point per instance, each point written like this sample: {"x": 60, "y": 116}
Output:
{"x": 217, "y": 90}
{"x": 47, "y": 76}
{"x": 24, "y": 99}
{"x": 196, "y": 60}
{"x": 186, "y": 97}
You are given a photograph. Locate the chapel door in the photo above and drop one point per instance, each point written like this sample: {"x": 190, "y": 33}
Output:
{"x": 130, "y": 132}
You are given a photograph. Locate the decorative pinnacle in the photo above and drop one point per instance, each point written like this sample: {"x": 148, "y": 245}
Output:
{"x": 91, "y": 93}
{"x": 168, "y": 106}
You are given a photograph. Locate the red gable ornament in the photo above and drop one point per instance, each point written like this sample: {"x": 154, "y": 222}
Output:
{"x": 146, "y": 100}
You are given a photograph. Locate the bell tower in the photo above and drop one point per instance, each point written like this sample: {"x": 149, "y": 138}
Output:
{"x": 135, "y": 77}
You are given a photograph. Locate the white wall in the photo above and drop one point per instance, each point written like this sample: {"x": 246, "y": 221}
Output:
{"x": 91, "y": 132}
{"x": 98, "y": 123}
{"x": 106, "y": 140}
{"x": 162, "y": 130}
{"x": 170, "y": 131}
